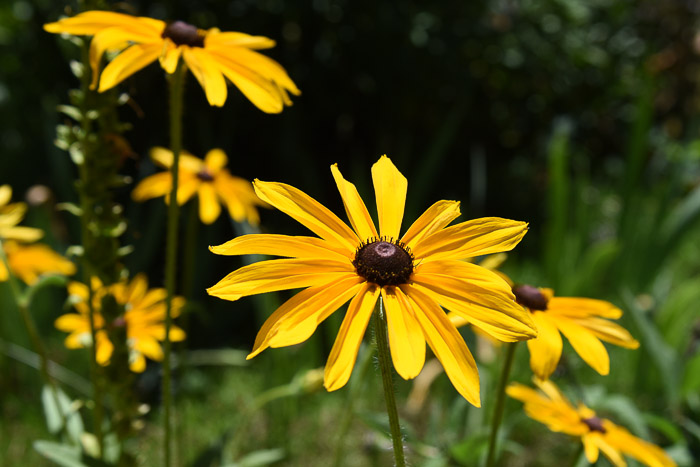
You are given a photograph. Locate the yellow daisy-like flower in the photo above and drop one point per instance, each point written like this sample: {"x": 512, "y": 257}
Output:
{"x": 416, "y": 275}
{"x": 28, "y": 262}
{"x": 550, "y": 406}
{"x": 584, "y": 322}
{"x": 207, "y": 178}
{"x": 211, "y": 55}
{"x": 144, "y": 318}
{"x": 12, "y": 214}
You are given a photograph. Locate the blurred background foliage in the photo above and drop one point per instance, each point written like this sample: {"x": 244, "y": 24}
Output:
{"x": 580, "y": 117}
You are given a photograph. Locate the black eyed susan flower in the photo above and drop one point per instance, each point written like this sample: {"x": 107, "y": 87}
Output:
{"x": 143, "y": 318}
{"x": 28, "y": 262}
{"x": 584, "y": 321}
{"x": 211, "y": 55}
{"x": 12, "y": 214}
{"x": 550, "y": 407}
{"x": 415, "y": 274}
{"x": 208, "y": 179}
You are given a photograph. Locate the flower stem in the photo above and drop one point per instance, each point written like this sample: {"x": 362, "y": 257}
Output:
{"x": 500, "y": 402}
{"x": 176, "y": 93}
{"x": 380, "y": 332}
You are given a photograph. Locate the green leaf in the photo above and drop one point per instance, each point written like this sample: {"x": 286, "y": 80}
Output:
{"x": 71, "y": 111}
{"x": 259, "y": 458}
{"x": 65, "y": 456}
{"x": 71, "y": 208}
{"x": 58, "y": 409}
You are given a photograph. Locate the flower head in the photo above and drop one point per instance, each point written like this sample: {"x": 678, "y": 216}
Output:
{"x": 28, "y": 262}
{"x": 584, "y": 322}
{"x": 551, "y": 407}
{"x": 415, "y": 274}
{"x": 211, "y": 55}
{"x": 12, "y": 214}
{"x": 207, "y": 178}
{"x": 143, "y": 318}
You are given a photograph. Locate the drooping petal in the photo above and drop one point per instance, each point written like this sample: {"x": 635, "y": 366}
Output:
{"x": 436, "y": 217}
{"x": 237, "y": 39}
{"x": 309, "y": 212}
{"x": 92, "y": 22}
{"x": 137, "y": 362}
{"x": 279, "y": 274}
{"x": 207, "y": 72}
{"x": 406, "y": 339}
{"x": 471, "y": 238}
{"x": 354, "y": 207}
{"x": 187, "y": 187}
{"x": 613, "y": 455}
{"x": 609, "y": 332}
{"x": 209, "y": 207}
{"x": 153, "y": 186}
{"x": 390, "y": 188}
{"x": 576, "y": 307}
{"x": 545, "y": 349}
{"x": 588, "y": 346}
{"x": 447, "y": 344}
{"x": 150, "y": 347}
{"x": 170, "y": 57}
{"x": 127, "y": 63}
{"x": 279, "y": 245}
{"x": 645, "y": 452}
{"x": 110, "y": 38}
{"x": 344, "y": 352}
{"x": 590, "y": 447}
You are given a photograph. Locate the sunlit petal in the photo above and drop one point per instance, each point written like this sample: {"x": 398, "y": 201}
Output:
{"x": 209, "y": 207}
{"x": 390, "y": 188}
{"x": 545, "y": 349}
{"x": 406, "y": 339}
{"x": 127, "y": 63}
{"x": 436, "y": 217}
{"x": 588, "y": 346}
{"x": 354, "y": 206}
{"x": 279, "y": 245}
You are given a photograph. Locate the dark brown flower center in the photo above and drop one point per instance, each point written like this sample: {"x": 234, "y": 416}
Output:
{"x": 530, "y": 297}
{"x": 205, "y": 176}
{"x": 384, "y": 261}
{"x": 182, "y": 33}
{"x": 594, "y": 424}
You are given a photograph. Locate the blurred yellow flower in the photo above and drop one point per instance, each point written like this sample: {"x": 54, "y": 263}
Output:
{"x": 583, "y": 322}
{"x": 550, "y": 407}
{"x": 12, "y": 214}
{"x": 207, "y": 178}
{"x": 415, "y": 275}
{"x": 28, "y": 262}
{"x": 144, "y": 319}
{"x": 211, "y": 55}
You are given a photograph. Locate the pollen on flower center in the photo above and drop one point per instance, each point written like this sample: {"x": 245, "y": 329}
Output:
{"x": 530, "y": 297}
{"x": 384, "y": 261}
{"x": 594, "y": 424}
{"x": 205, "y": 176}
{"x": 182, "y": 33}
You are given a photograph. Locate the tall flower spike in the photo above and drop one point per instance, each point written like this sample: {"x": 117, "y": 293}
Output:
{"x": 550, "y": 407}
{"x": 211, "y": 55}
{"x": 209, "y": 179}
{"x": 416, "y": 275}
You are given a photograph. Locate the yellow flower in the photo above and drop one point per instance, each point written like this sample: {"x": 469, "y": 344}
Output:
{"x": 28, "y": 262}
{"x": 414, "y": 274}
{"x": 583, "y": 322}
{"x": 549, "y": 406}
{"x": 11, "y": 215}
{"x": 208, "y": 179}
{"x": 144, "y": 318}
{"x": 211, "y": 55}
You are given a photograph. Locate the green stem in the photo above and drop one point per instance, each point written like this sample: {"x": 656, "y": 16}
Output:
{"x": 23, "y": 307}
{"x": 500, "y": 402}
{"x": 577, "y": 455}
{"x": 176, "y": 92}
{"x": 380, "y": 327}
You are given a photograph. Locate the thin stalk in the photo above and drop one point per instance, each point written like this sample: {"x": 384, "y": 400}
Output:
{"x": 380, "y": 326}
{"x": 500, "y": 402}
{"x": 23, "y": 307}
{"x": 176, "y": 92}
{"x": 577, "y": 456}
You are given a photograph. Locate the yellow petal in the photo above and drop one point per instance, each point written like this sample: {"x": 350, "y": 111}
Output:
{"x": 406, "y": 339}
{"x": 170, "y": 58}
{"x": 588, "y": 346}
{"x": 354, "y": 207}
{"x": 581, "y": 307}
{"x": 187, "y": 163}
{"x": 613, "y": 455}
{"x": 153, "y": 186}
{"x": 436, "y": 217}
{"x": 215, "y": 160}
{"x": 279, "y": 274}
{"x": 92, "y": 22}
{"x": 5, "y": 194}
{"x": 344, "y": 352}
{"x": 390, "y": 190}
{"x": 313, "y": 302}
{"x": 609, "y": 332}
{"x": 150, "y": 347}
{"x": 3, "y": 272}
{"x": 261, "y": 65}
{"x": 239, "y": 39}
{"x": 590, "y": 447}
{"x": 127, "y": 63}
{"x": 187, "y": 187}
{"x": 645, "y": 452}
{"x": 447, "y": 344}
{"x": 104, "y": 348}
{"x": 471, "y": 238}
{"x": 137, "y": 289}
{"x": 207, "y": 72}
{"x": 279, "y": 245}
{"x": 137, "y": 362}
{"x": 209, "y": 207}
{"x": 545, "y": 349}
{"x": 23, "y": 234}
{"x": 110, "y": 38}
{"x": 28, "y": 262}
{"x": 309, "y": 212}
{"x": 264, "y": 94}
